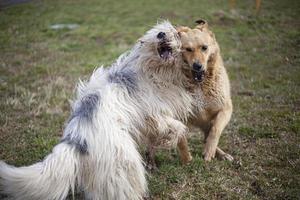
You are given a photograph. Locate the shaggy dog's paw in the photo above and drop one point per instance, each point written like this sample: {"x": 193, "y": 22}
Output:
{"x": 151, "y": 167}
{"x": 150, "y": 163}
{"x": 186, "y": 159}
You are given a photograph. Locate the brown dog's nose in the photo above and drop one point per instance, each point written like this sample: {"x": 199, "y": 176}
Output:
{"x": 197, "y": 66}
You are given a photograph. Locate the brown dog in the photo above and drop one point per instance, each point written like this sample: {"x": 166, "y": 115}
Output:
{"x": 209, "y": 85}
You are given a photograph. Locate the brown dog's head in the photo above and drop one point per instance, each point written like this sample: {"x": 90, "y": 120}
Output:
{"x": 199, "y": 47}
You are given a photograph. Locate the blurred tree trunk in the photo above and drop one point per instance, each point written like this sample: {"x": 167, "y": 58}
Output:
{"x": 257, "y": 5}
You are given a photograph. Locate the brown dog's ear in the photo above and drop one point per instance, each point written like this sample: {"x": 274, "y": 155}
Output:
{"x": 181, "y": 29}
{"x": 200, "y": 21}
{"x": 202, "y": 24}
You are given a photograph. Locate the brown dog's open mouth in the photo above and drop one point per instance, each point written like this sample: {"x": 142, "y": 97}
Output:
{"x": 164, "y": 49}
{"x": 198, "y": 75}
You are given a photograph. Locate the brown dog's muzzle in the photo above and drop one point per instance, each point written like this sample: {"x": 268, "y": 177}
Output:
{"x": 198, "y": 72}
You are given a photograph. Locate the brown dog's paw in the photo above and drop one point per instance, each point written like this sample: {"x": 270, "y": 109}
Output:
{"x": 209, "y": 152}
{"x": 227, "y": 156}
{"x": 223, "y": 156}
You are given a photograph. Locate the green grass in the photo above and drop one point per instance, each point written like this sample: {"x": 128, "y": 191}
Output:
{"x": 40, "y": 67}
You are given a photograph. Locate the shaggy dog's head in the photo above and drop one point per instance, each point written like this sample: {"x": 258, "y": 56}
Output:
{"x": 161, "y": 44}
{"x": 199, "y": 48}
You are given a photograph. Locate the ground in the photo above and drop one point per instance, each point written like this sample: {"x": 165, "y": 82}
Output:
{"x": 40, "y": 66}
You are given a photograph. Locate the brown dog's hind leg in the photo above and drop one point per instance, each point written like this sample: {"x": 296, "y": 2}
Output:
{"x": 223, "y": 156}
{"x": 183, "y": 150}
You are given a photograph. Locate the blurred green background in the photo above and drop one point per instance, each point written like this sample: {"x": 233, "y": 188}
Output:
{"x": 40, "y": 64}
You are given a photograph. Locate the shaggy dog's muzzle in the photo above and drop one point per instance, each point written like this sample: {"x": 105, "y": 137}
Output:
{"x": 164, "y": 49}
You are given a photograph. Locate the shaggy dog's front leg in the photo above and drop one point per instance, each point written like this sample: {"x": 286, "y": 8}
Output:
{"x": 182, "y": 144}
{"x": 169, "y": 133}
{"x": 184, "y": 151}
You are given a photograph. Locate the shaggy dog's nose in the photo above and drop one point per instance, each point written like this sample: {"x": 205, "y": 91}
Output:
{"x": 161, "y": 35}
{"x": 197, "y": 66}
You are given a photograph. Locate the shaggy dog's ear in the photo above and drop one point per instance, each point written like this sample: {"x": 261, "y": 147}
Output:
{"x": 181, "y": 29}
{"x": 202, "y": 24}
{"x": 140, "y": 41}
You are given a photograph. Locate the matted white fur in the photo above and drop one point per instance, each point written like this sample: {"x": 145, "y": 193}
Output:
{"x": 119, "y": 107}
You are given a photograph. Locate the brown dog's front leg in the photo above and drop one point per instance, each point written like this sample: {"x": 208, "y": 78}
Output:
{"x": 218, "y": 125}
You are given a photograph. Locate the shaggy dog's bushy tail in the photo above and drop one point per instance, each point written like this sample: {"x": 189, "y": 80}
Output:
{"x": 50, "y": 179}
{"x": 111, "y": 169}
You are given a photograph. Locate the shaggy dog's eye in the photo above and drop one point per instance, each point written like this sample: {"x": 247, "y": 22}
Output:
{"x": 204, "y": 47}
{"x": 189, "y": 49}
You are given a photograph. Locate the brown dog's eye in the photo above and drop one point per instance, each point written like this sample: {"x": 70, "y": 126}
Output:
{"x": 189, "y": 49}
{"x": 204, "y": 47}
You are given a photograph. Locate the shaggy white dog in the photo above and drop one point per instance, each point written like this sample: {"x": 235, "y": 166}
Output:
{"x": 140, "y": 95}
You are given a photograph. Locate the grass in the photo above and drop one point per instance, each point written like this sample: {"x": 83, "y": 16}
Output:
{"x": 39, "y": 68}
